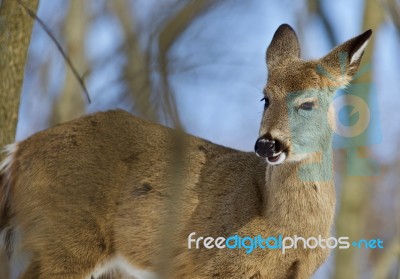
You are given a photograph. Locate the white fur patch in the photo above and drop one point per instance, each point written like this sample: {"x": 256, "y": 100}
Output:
{"x": 10, "y": 150}
{"x": 357, "y": 55}
{"x": 18, "y": 261}
{"x": 298, "y": 157}
{"x": 119, "y": 263}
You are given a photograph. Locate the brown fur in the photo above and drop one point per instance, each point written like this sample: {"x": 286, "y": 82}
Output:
{"x": 104, "y": 184}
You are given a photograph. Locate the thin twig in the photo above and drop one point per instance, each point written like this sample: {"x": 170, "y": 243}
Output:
{"x": 66, "y": 58}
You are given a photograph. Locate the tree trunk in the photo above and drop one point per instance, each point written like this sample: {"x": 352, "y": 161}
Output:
{"x": 71, "y": 102}
{"x": 15, "y": 33}
{"x": 355, "y": 190}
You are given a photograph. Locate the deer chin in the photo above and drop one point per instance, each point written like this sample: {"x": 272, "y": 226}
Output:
{"x": 294, "y": 158}
{"x": 277, "y": 158}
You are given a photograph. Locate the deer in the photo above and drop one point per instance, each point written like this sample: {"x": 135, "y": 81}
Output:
{"x": 109, "y": 191}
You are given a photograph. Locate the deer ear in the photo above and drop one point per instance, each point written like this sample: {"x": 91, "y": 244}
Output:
{"x": 284, "y": 46}
{"x": 345, "y": 58}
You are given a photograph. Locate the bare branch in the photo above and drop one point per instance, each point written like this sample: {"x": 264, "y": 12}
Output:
{"x": 68, "y": 104}
{"x": 392, "y": 8}
{"x": 316, "y": 6}
{"x": 52, "y": 37}
{"x": 137, "y": 71}
{"x": 173, "y": 29}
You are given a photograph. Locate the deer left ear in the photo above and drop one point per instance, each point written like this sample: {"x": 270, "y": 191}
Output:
{"x": 283, "y": 47}
{"x": 345, "y": 58}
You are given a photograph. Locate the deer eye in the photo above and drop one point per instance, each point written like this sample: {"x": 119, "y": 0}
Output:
{"x": 266, "y": 102}
{"x": 307, "y": 106}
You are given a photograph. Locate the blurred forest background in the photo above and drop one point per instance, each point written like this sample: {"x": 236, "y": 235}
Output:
{"x": 200, "y": 65}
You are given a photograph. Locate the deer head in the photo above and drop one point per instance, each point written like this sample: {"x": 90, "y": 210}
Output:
{"x": 298, "y": 114}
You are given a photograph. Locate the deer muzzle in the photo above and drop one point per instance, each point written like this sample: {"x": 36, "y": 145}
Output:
{"x": 271, "y": 149}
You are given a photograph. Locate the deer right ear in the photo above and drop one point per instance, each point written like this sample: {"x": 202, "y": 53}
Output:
{"x": 343, "y": 61}
{"x": 284, "y": 46}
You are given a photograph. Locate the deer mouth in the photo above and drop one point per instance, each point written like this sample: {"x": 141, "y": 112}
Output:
{"x": 276, "y": 158}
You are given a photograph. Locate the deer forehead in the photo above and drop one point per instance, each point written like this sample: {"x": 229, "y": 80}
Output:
{"x": 295, "y": 77}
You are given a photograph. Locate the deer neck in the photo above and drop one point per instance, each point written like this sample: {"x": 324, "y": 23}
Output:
{"x": 300, "y": 195}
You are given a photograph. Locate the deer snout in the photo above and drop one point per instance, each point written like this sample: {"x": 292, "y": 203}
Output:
{"x": 267, "y": 147}
{"x": 271, "y": 149}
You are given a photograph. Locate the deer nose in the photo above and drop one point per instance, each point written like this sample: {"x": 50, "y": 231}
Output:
{"x": 266, "y": 147}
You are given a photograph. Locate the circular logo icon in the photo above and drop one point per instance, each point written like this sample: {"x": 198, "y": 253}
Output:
{"x": 359, "y": 106}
